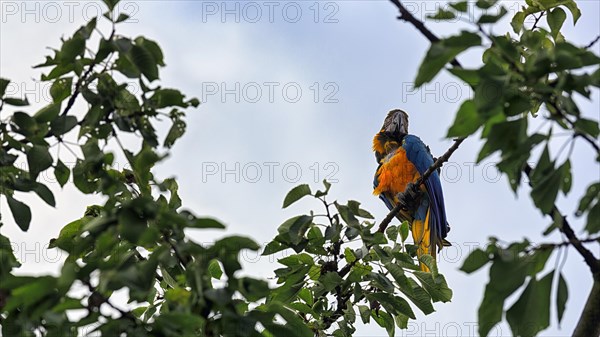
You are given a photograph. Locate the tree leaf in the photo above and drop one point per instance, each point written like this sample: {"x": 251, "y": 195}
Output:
{"x": 477, "y": 259}
{"x": 562, "y": 294}
{"x": 61, "y": 172}
{"x": 44, "y": 192}
{"x": 38, "y": 159}
{"x": 531, "y": 313}
{"x": 442, "y": 52}
{"x": 3, "y": 85}
{"x": 144, "y": 61}
{"x": 21, "y": 212}
{"x": 296, "y": 194}
{"x": 214, "y": 269}
{"x": 467, "y": 121}
{"x": 556, "y": 18}
{"x": 517, "y": 22}
{"x": 61, "y": 89}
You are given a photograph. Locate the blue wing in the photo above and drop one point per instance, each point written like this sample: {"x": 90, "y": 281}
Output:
{"x": 418, "y": 154}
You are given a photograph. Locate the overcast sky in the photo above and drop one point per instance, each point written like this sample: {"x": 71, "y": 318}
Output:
{"x": 292, "y": 93}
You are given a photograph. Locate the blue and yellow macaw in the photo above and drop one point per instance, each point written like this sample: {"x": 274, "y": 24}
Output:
{"x": 402, "y": 159}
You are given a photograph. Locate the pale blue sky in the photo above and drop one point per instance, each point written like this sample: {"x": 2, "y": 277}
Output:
{"x": 364, "y": 59}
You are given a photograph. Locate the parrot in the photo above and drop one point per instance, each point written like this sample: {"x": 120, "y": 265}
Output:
{"x": 402, "y": 158}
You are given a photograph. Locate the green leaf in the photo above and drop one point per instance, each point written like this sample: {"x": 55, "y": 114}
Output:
{"x": 44, "y": 192}
{"x": 545, "y": 190}
{"x": 296, "y": 194}
{"x": 111, "y": 3}
{"x": 392, "y": 304}
{"x": 294, "y": 228}
{"x": 591, "y": 194}
{"x": 63, "y": 124}
{"x": 487, "y": 18}
{"x": 477, "y": 259}
{"x": 531, "y": 313}
{"x": 485, "y": 4}
{"x": 567, "y": 178}
{"x": 21, "y": 212}
{"x": 593, "y": 219}
{"x": 460, "y": 6}
{"x": 572, "y": 6}
{"x": 145, "y": 62}
{"x": 253, "y": 289}
{"x": 131, "y": 224}
{"x": 168, "y": 97}
{"x": 122, "y": 17}
{"x": 442, "y": 52}
{"x": 467, "y": 121}
{"x": 562, "y": 294}
{"x": 38, "y": 159}
{"x": 61, "y": 89}
{"x": 442, "y": 14}
{"x": 365, "y": 313}
{"x": 3, "y": 85}
{"x": 556, "y": 18}
{"x": 16, "y": 101}
{"x": 214, "y": 269}
{"x": 48, "y": 113}
{"x": 72, "y": 48}
{"x": 273, "y": 247}
{"x": 517, "y": 22}
{"x": 330, "y": 280}
{"x": 404, "y": 230}
{"x": 175, "y": 132}
{"x": 61, "y": 172}
{"x": 205, "y": 223}
{"x": 349, "y": 255}
{"x": 436, "y": 287}
{"x": 587, "y": 126}
{"x": 152, "y": 47}
{"x": 500, "y": 287}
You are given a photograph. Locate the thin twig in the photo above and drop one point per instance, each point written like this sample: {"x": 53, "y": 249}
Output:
{"x": 437, "y": 164}
{"x": 405, "y": 15}
{"x": 537, "y": 19}
{"x": 591, "y": 44}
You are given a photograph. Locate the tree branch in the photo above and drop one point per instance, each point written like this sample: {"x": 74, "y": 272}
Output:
{"x": 412, "y": 188}
{"x": 407, "y": 16}
{"x": 591, "y": 44}
{"x": 588, "y": 256}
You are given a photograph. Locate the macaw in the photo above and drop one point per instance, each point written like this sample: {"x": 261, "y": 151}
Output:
{"x": 402, "y": 158}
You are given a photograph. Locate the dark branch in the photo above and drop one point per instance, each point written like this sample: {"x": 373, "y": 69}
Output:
{"x": 403, "y": 196}
{"x": 588, "y": 256}
{"x": 405, "y": 15}
{"x": 591, "y": 44}
{"x": 82, "y": 79}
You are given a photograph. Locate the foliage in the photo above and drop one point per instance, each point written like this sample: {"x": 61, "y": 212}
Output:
{"x": 136, "y": 240}
{"x": 532, "y": 72}
{"x": 341, "y": 266}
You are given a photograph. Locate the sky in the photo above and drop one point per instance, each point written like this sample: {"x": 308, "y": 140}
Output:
{"x": 292, "y": 92}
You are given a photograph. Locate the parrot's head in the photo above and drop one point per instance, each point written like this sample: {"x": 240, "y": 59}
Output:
{"x": 396, "y": 122}
{"x": 395, "y": 127}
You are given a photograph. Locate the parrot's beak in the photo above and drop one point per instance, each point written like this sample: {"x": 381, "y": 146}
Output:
{"x": 396, "y": 122}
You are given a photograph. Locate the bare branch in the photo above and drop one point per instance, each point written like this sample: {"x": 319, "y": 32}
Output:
{"x": 405, "y": 15}
{"x": 591, "y": 44}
